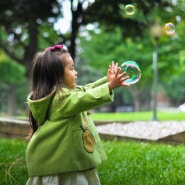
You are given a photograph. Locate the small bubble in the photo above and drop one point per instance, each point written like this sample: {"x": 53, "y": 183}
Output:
{"x": 169, "y": 28}
{"x": 129, "y": 9}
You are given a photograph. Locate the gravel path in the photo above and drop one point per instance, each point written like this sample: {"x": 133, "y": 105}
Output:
{"x": 151, "y": 130}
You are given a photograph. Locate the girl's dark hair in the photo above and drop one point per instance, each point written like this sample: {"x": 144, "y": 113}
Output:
{"x": 47, "y": 72}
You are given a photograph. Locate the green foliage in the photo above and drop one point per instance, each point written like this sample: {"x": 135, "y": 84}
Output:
{"x": 85, "y": 70}
{"x": 11, "y": 72}
{"x": 12, "y": 78}
{"x": 171, "y": 64}
{"x": 11, "y": 10}
{"x": 112, "y": 14}
{"x": 47, "y": 36}
{"x": 123, "y": 37}
{"x": 22, "y": 32}
{"x": 177, "y": 83}
{"x": 119, "y": 41}
{"x": 106, "y": 46}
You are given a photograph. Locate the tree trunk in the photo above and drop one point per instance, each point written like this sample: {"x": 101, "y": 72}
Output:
{"x": 136, "y": 95}
{"x": 76, "y": 16}
{"x": 31, "y": 49}
{"x": 11, "y": 100}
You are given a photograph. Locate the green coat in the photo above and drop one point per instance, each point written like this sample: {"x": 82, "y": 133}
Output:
{"x": 66, "y": 140}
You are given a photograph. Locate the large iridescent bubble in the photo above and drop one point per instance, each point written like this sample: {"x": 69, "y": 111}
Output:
{"x": 133, "y": 71}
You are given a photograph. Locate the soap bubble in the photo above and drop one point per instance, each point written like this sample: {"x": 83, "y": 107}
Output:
{"x": 129, "y": 9}
{"x": 169, "y": 28}
{"x": 133, "y": 71}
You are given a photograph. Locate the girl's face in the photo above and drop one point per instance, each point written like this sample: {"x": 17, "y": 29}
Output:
{"x": 70, "y": 75}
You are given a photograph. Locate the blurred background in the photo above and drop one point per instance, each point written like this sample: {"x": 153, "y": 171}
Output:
{"x": 97, "y": 32}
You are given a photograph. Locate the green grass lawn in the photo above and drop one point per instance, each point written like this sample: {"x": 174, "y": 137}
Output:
{"x": 138, "y": 116}
{"x": 129, "y": 163}
{"x": 132, "y": 163}
{"x": 12, "y": 162}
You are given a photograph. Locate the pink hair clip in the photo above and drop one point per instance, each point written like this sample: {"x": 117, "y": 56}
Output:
{"x": 52, "y": 48}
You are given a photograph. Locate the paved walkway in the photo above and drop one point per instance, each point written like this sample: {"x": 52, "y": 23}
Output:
{"x": 151, "y": 130}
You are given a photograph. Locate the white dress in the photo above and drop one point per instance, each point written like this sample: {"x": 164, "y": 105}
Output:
{"x": 89, "y": 177}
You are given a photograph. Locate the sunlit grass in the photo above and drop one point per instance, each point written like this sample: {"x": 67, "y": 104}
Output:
{"x": 138, "y": 116}
{"x": 129, "y": 163}
{"x": 132, "y": 163}
{"x": 134, "y": 116}
{"x": 12, "y": 162}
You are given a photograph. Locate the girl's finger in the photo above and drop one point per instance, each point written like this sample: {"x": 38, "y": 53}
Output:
{"x": 116, "y": 65}
{"x": 125, "y": 78}
{"x": 125, "y": 84}
{"x": 117, "y": 70}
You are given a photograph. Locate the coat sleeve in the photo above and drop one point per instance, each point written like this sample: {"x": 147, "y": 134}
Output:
{"x": 76, "y": 101}
{"x": 94, "y": 84}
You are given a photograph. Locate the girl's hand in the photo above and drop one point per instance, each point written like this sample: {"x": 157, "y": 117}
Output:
{"x": 113, "y": 66}
{"x": 115, "y": 78}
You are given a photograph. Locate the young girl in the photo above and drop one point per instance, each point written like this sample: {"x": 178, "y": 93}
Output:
{"x": 65, "y": 147}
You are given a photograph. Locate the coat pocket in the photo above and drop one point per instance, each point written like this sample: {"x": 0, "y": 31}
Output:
{"x": 88, "y": 140}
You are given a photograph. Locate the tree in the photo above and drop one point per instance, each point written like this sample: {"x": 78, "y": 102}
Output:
{"x": 21, "y": 31}
{"x": 23, "y": 27}
{"x": 24, "y": 32}
{"x": 21, "y": 24}
{"x": 103, "y": 45}
{"x": 12, "y": 77}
